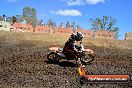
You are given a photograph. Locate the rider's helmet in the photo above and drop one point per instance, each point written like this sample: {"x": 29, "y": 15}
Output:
{"x": 79, "y": 36}
{"x": 73, "y": 37}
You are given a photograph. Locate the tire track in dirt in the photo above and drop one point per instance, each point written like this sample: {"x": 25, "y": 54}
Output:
{"x": 25, "y": 65}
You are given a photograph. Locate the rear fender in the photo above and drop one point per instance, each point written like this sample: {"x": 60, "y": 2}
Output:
{"x": 50, "y": 52}
{"x": 54, "y": 48}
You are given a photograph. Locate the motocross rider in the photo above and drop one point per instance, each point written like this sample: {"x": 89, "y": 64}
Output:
{"x": 71, "y": 49}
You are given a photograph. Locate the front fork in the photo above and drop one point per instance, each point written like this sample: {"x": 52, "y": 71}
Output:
{"x": 79, "y": 62}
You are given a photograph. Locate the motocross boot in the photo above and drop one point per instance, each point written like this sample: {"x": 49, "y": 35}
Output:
{"x": 78, "y": 62}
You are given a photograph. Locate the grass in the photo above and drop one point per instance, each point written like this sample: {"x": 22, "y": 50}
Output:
{"x": 41, "y": 39}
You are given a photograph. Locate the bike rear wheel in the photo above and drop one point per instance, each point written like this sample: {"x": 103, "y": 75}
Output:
{"x": 52, "y": 56}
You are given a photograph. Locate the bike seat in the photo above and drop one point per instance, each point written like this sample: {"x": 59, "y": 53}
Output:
{"x": 61, "y": 49}
{"x": 61, "y": 54}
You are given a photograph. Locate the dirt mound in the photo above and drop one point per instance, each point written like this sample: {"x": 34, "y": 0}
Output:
{"x": 25, "y": 65}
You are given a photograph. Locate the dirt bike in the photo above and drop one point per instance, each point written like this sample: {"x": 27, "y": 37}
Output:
{"x": 86, "y": 56}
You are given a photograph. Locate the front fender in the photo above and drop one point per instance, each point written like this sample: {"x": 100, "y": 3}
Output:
{"x": 90, "y": 51}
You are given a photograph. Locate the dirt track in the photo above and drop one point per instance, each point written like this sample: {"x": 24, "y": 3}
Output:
{"x": 24, "y": 65}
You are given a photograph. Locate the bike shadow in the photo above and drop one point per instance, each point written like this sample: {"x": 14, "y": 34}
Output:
{"x": 62, "y": 63}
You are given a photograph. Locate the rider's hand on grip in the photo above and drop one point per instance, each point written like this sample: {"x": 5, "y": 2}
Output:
{"x": 81, "y": 42}
{"x": 79, "y": 52}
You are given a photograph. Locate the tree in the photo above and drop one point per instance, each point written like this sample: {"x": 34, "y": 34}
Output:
{"x": 105, "y": 23}
{"x": 19, "y": 18}
{"x": 116, "y": 31}
{"x": 14, "y": 19}
{"x": 41, "y": 23}
{"x": 51, "y": 23}
{"x": 9, "y": 19}
{"x": 29, "y": 15}
{"x": 34, "y": 18}
{"x": 68, "y": 24}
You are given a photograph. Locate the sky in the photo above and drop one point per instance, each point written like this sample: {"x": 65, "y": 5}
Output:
{"x": 78, "y": 11}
